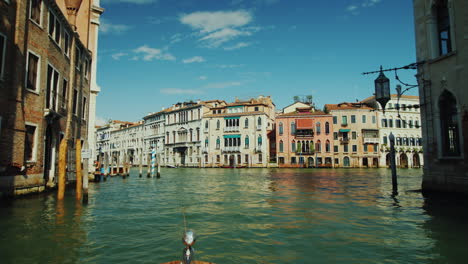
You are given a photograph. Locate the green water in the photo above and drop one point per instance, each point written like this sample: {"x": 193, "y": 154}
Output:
{"x": 241, "y": 216}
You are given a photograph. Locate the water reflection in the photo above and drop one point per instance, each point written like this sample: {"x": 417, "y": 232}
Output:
{"x": 241, "y": 216}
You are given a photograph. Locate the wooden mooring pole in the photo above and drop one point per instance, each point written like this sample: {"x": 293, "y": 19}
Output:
{"x": 62, "y": 168}
{"x": 141, "y": 162}
{"x": 79, "y": 179}
{"x": 393, "y": 164}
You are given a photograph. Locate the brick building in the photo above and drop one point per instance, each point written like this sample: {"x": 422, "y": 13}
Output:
{"x": 45, "y": 80}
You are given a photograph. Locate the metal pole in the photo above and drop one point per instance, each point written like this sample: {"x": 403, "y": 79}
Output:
{"x": 158, "y": 175}
{"x": 393, "y": 163}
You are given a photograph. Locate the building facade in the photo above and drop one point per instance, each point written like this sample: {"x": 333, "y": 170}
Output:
{"x": 45, "y": 79}
{"x": 154, "y": 136}
{"x": 304, "y": 137}
{"x": 402, "y": 118}
{"x": 355, "y": 135}
{"x": 442, "y": 48}
{"x": 236, "y": 134}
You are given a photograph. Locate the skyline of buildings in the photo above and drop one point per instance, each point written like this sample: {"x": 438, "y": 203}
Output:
{"x": 251, "y": 133}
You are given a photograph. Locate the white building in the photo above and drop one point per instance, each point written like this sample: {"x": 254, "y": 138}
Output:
{"x": 154, "y": 133}
{"x": 183, "y": 132}
{"x": 236, "y": 134}
{"x": 403, "y": 120}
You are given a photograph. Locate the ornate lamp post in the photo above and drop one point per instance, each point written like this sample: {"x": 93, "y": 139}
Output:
{"x": 382, "y": 89}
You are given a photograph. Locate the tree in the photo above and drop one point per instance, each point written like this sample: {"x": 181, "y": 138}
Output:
{"x": 296, "y": 99}
{"x": 309, "y": 99}
{"x": 325, "y": 109}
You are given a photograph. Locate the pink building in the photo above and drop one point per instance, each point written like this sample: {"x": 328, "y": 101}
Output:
{"x": 304, "y": 138}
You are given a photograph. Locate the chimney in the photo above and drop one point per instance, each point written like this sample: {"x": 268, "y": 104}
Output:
{"x": 72, "y": 9}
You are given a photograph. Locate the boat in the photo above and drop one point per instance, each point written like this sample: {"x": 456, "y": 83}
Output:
{"x": 171, "y": 166}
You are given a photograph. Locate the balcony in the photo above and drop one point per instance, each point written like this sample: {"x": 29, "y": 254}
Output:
{"x": 371, "y": 140}
{"x": 310, "y": 152}
{"x": 344, "y": 124}
{"x": 231, "y": 149}
{"x": 231, "y": 129}
{"x": 344, "y": 140}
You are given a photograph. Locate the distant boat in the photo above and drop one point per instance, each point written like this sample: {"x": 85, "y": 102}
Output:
{"x": 171, "y": 166}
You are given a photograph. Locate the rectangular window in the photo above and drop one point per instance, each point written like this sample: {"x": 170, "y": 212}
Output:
{"x": 335, "y": 135}
{"x": 30, "y": 143}
{"x": 344, "y": 120}
{"x": 365, "y": 148}
{"x": 260, "y": 158}
{"x": 390, "y": 123}
{"x": 86, "y": 73}
{"x": 55, "y": 28}
{"x": 345, "y": 148}
{"x": 363, "y": 119}
{"x": 52, "y": 88}
{"x": 64, "y": 93}
{"x": 353, "y": 135}
{"x": 335, "y": 148}
{"x": 354, "y": 148}
{"x": 2, "y": 54}
{"x": 337, "y": 161}
{"x": 83, "y": 113}
{"x": 335, "y": 120}
{"x": 78, "y": 66}
{"x": 443, "y": 28}
{"x": 75, "y": 101}
{"x": 32, "y": 75}
{"x": 398, "y": 123}
{"x": 66, "y": 44}
{"x": 353, "y": 119}
{"x": 36, "y": 8}
{"x": 373, "y": 119}
{"x": 293, "y": 160}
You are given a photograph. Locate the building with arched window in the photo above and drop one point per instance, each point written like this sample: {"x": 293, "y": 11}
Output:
{"x": 441, "y": 44}
{"x": 244, "y": 130}
{"x": 298, "y": 139}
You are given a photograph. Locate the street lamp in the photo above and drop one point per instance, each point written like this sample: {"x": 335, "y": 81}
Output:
{"x": 382, "y": 89}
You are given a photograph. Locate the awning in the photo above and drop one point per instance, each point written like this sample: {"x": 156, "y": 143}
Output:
{"x": 233, "y": 117}
{"x": 344, "y": 130}
{"x": 232, "y": 136}
{"x": 304, "y": 124}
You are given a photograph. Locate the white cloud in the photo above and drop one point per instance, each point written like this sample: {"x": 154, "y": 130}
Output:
{"x": 212, "y": 21}
{"x": 194, "y": 59}
{"x": 229, "y": 66}
{"x": 238, "y": 46}
{"x": 355, "y": 8}
{"x": 216, "y": 28}
{"x": 117, "y": 56}
{"x": 150, "y": 54}
{"x": 222, "y": 85}
{"x": 179, "y": 91}
{"x": 107, "y": 27}
{"x": 138, "y": 2}
{"x": 257, "y": 2}
{"x": 202, "y": 78}
{"x": 100, "y": 121}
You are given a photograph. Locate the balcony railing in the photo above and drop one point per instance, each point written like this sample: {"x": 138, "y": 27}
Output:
{"x": 344, "y": 140}
{"x": 371, "y": 140}
{"x": 300, "y": 152}
{"x": 231, "y": 129}
{"x": 231, "y": 149}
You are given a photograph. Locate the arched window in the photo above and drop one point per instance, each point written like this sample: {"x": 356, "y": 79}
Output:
{"x": 281, "y": 146}
{"x": 327, "y": 146}
{"x": 259, "y": 141}
{"x": 318, "y": 128}
{"x": 293, "y": 146}
{"x": 327, "y": 128}
{"x": 206, "y": 124}
{"x": 449, "y": 124}
{"x": 319, "y": 146}
{"x": 218, "y": 142}
{"x": 218, "y": 124}
{"x": 280, "y": 128}
{"x": 443, "y": 27}
{"x": 247, "y": 141}
{"x": 206, "y": 143}
{"x": 346, "y": 162}
{"x": 259, "y": 122}
{"x": 293, "y": 128}
{"x": 246, "y": 123}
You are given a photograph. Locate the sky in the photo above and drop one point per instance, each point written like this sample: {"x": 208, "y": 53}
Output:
{"x": 155, "y": 53}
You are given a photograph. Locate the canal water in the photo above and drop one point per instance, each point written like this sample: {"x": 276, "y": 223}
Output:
{"x": 241, "y": 216}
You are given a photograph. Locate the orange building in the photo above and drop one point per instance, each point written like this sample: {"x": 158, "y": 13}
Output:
{"x": 304, "y": 137}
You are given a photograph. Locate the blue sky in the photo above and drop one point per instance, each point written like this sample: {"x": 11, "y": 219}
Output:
{"x": 153, "y": 53}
